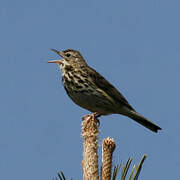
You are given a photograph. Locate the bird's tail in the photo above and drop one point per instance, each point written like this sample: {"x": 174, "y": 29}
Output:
{"x": 143, "y": 121}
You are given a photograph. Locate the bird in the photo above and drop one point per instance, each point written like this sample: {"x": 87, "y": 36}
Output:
{"x": 91, "y": 91}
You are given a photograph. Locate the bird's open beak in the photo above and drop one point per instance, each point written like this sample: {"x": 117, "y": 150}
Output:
{"x": 58, "y": 61}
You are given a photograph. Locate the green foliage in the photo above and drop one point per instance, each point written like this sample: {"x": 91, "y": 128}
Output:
{"x": 134, "y": 174}
{"x": 60, "y": 176}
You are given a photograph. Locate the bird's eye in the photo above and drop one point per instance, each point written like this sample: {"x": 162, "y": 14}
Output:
{"x": 68, "y": 55}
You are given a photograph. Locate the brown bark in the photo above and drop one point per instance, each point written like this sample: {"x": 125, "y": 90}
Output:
{"x": 107, "y": 149}
{"x": 90, "y": 156}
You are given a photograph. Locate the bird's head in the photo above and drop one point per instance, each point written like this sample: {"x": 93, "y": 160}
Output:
{"x": 70, "y": 59}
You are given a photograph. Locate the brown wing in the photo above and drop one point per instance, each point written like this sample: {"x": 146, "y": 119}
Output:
{"x": 107, "y": 87}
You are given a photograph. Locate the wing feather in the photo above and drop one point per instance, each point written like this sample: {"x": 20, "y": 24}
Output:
{"x": 107, "y": 87}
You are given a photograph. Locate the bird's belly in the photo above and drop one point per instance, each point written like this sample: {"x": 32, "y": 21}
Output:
{"x": 91, "y": 100}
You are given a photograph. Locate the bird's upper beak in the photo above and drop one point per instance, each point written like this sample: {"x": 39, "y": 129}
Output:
{"x": 58, "y": 61}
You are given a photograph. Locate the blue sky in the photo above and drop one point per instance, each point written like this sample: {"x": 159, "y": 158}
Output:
{"x": 133, "y": 43}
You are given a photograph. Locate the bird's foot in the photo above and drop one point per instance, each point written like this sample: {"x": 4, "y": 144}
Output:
{"x": 94, "y": 115}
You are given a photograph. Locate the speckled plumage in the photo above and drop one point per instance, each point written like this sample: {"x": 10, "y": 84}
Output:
{"x": 90, "y": 90}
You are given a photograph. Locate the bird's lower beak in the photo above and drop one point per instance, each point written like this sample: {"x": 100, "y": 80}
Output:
{"x": 55, "y": 61}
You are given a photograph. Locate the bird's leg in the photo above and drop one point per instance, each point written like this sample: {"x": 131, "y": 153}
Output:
{"x": 96, "y": 114}
{"x": 92, "y": 115}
